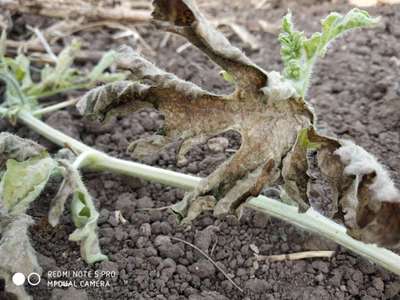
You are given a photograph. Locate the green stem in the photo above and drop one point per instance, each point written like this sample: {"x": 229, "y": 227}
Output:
{"x": 100, "y": 161}
{"x": 60, "y": 90}
{"x": 54, "y": 107}
{"x": 311, "y": 220}
{"x": 317, "y": 223}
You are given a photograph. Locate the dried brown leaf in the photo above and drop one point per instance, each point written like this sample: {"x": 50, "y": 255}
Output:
{"x": 266, "y": 112}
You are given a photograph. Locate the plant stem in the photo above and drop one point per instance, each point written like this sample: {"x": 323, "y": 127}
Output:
{"x": 310, "y": 221}
{"x": 98, "y": 160}
{"x": 54, "y": 107}
{"x": 315, "y": 222}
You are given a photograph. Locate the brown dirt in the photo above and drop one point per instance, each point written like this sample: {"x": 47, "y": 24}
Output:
{"x": 356, "y": 93}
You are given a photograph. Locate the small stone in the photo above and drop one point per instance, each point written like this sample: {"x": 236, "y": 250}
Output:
{"x": 148, "y": 124}
{"x": 47, "y": 263}
{"x": 207, "y": 295}
{"x": 113, "y": 220}
{"x": 104, "y": 215}
{"x": 378, "y": 283}
{"x": 204, "y": 238}
{"x": 320, "y": 266}
{"x": 161, "y": 240}
{"x": 120, "y": 234}
{"x": 203, "y": 269}
{"x": 145, "y": 229}
{"x": 168, "y": 250}
{"x": 145, "y": 202}
{"x": 254, "y": 248}
{"x": 109, "y": 266}
{"x": 260, "y": 220}
{"x": 319, "y": 277}
{"x": 136, "y": 128}
{"x": 124, "y": 202}
{"x": 71, "y": 293}
{"x": 392, "y": 289}
{"x": 168, "y": 267}
{"x": 218, "y": 144}
{"x": 257, "y": 286}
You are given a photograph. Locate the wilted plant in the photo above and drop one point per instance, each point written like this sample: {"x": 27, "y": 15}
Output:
{"x": 26, "y": 167}
{"x": 268, "y": 110}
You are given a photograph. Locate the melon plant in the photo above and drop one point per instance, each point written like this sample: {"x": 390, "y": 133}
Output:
{"x": 269, "y": 109}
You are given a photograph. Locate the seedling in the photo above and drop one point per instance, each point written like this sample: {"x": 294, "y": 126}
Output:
{"x": 268, "y": 109}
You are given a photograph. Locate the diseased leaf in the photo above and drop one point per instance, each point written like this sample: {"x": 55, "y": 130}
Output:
{"x": 14, "y": 147}
{"x": 276, "y": 125}
{"x": 66, "y": 190}
{"x": 299, "y": 53}
{"x": 16, "y": 252}
{"x": 85, "y": 217}
{"x": 23, "y": 182}
{"x": 371, "y": 205}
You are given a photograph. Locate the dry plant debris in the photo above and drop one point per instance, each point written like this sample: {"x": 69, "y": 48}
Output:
{"x": 368, "y": 3}
{"x": 75, "y": 9}
{"x": 295, "y": 256}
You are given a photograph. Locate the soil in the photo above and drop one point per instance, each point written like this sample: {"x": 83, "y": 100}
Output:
{"x": 356, "y": 94}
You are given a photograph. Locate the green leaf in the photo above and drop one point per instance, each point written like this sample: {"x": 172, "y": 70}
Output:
{"x": 3, "y": 45}
{"x": 85, "y": 215}
{"x": 304, "y": 141}
{"x": 65, "y": 60}
{"x": 23, "y": 182}
{"x": 106, "y": 61}
{"x": 24, "y": 65}
{"x": 227, "y": 76}
{"x": 299, "y": 53}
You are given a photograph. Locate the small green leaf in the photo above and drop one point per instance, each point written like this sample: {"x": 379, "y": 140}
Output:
{"x": 227, "y": 76}
{"x": 106, "y": 61}
{"x": 299, "y": 52}
{"x": 304, "y": 141}
{"x": 65, "y": 61}
{"x": 24, "y": 66}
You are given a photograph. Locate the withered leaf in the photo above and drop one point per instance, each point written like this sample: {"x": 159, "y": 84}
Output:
{"x": 276, "y": 124}
{"x": 16, "y": 252}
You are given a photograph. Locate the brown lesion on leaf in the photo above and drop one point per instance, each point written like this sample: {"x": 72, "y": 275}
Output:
{"x": 268, "y": 128}
{"x": 276, "y": 127}
{"x": 376, "y": 221}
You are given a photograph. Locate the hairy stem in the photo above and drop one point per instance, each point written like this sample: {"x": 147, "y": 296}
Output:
{"x": 310, "y": 221}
